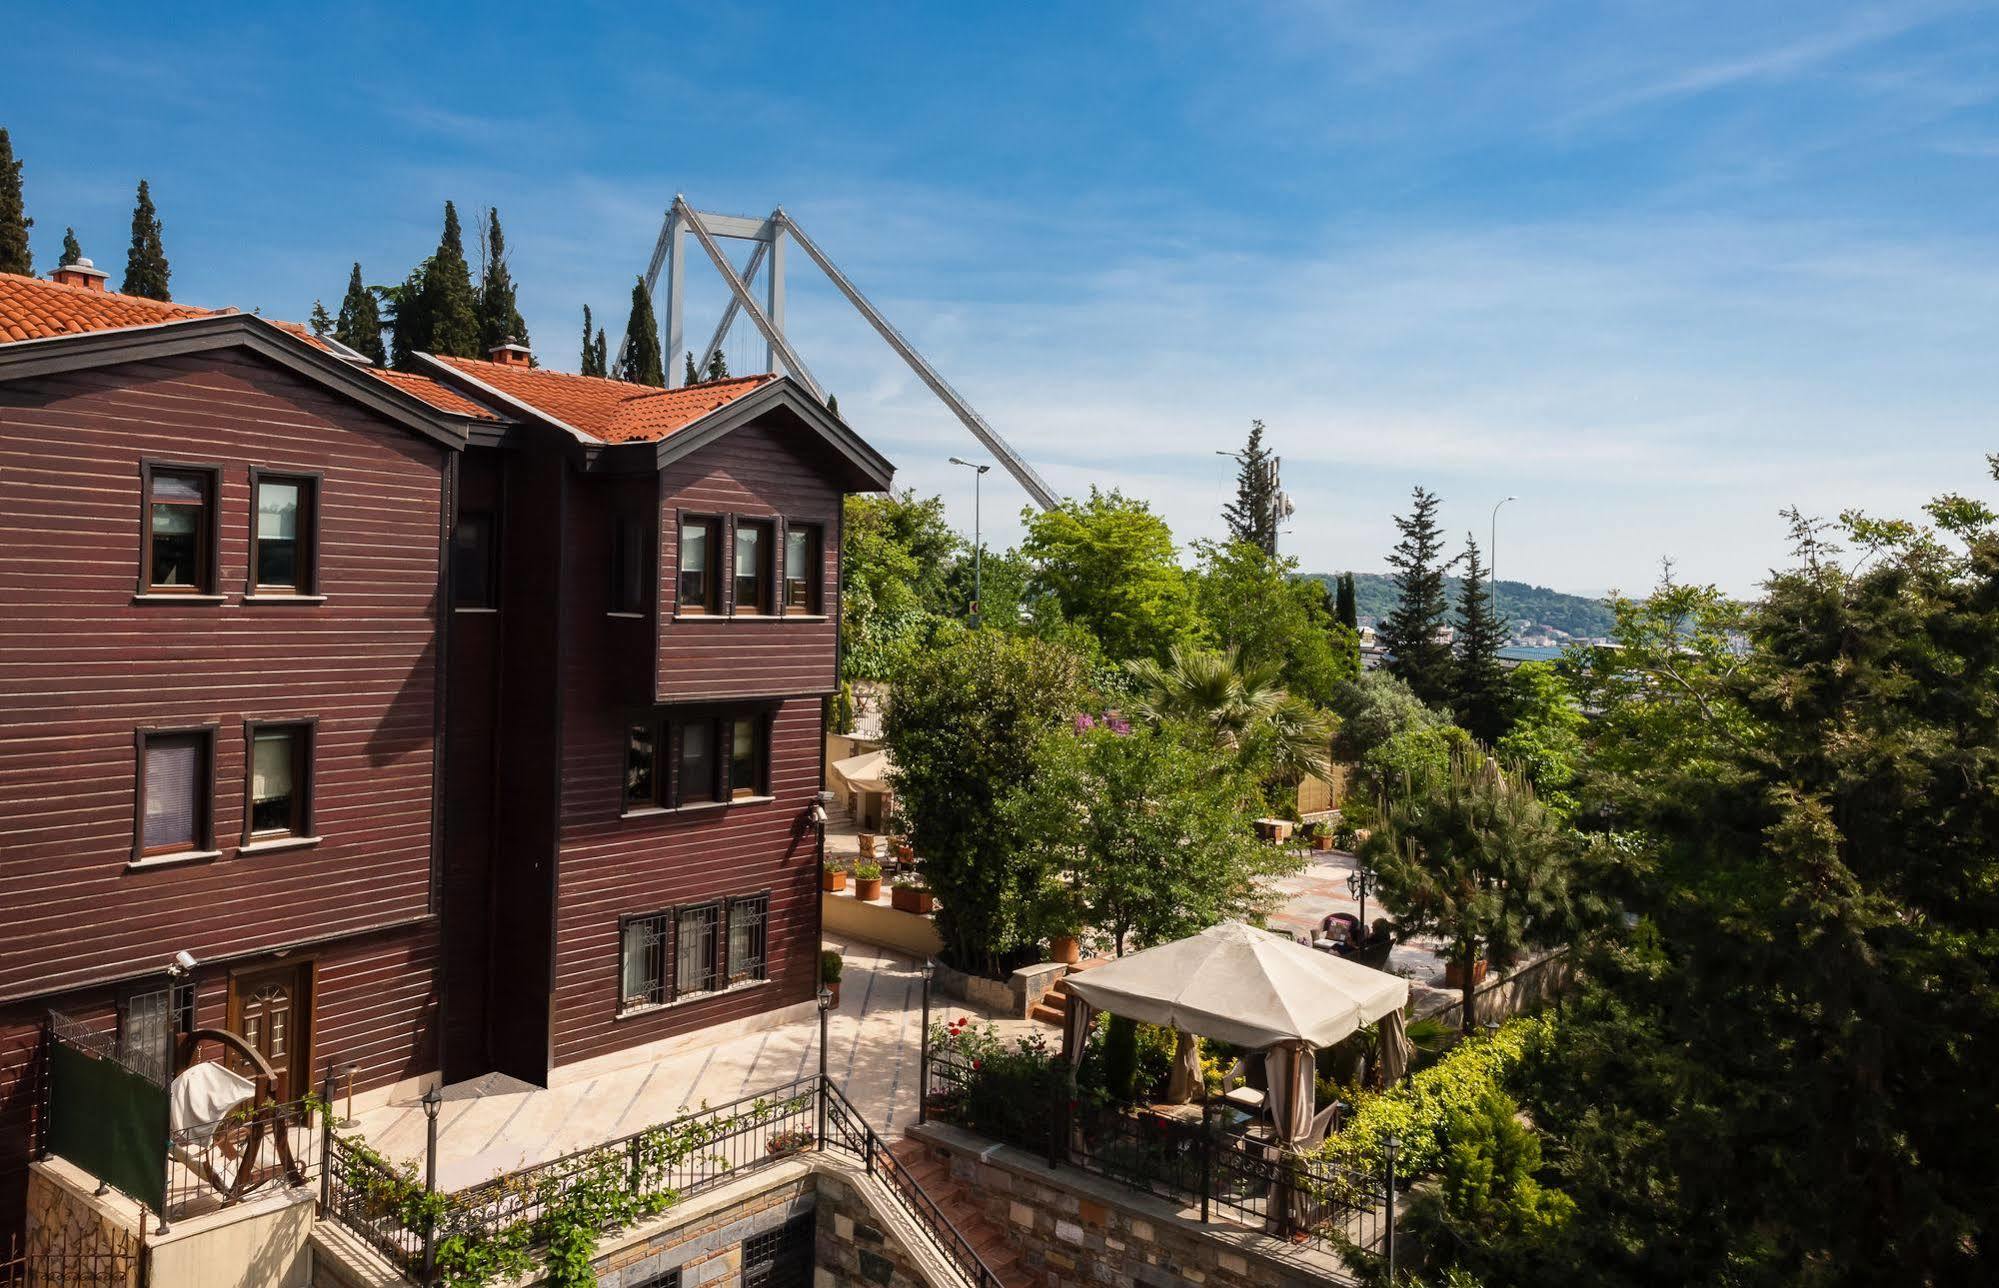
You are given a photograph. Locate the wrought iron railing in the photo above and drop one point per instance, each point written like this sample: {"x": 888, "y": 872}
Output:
{"x": 848, "y": 1132}
{"x": 203, "y": 1159}
{"x": 361, "y": 1191}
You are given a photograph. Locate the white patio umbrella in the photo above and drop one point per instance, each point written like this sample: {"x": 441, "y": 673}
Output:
{"x": 866, "y": 772}
{"x": 1247, "y": 987}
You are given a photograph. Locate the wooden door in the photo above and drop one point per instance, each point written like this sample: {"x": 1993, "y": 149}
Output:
{"x": 272, "y": 1010}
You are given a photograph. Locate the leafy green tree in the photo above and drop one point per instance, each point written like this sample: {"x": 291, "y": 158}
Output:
{"x": 1344, "y": 607}
{"x": 71, "y": 251}
{"x": 1474, "y": 858}
{"x": 321, "y": 321}
{"x": 1146, "y": 831}
{"x": 1239, "y": 707}
{"x": 451, "y": 307}
{"x": 1411, "y": 633}
{"x": 963, "y": 725}
{"x": 1255, "y": 604}
{"x": 1478, "y": 680}
{"x": 1252, "y": 516}
{"x": 1394, "y": 741}
{"x": 1108, "y": 564}
{"x": 15, "y": 254}
{"x": 896, "y": 552}
{"x": 146, "y": 270}
{"x": 639, "y": 361}
{"x": 1545, "y": 740}
{"x": 1489, "y": 1213}
{"x": 500, "y": 320}
{"x": 359, "y": 325}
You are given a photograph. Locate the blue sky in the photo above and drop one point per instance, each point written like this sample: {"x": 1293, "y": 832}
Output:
{"x": 1658, "y": 270}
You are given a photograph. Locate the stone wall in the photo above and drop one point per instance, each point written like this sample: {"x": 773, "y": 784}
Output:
{"x": 1528, "y": 987}
{"x": 705, "y": 1241}
{"x": 852, "y": 1246}
{"x": 1073, "y": 1228}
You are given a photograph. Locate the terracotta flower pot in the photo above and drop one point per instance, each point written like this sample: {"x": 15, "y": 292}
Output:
{"x": 1454, "y": 973}
{"x": 1322, "y": 843}
{"x": 832, "y": 881}
{"x": 867, "y": 889}
{"x": 1066, "y": 949}
{"x": 911, "y": 899}
{"x": 834, "y": 989}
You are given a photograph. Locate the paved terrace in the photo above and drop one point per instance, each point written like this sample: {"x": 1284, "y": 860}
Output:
{"x": 497, "y": 1124}
{"x": 1321, "y": 887}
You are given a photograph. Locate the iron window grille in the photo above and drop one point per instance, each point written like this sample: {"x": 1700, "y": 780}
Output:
{"x": 642, "y": 953}
{"x": 696, "y": 940}
{"x": 780, "y": 1258}
{"x": 749, "y": 930}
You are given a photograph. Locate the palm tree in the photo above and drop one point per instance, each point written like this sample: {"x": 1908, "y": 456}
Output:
{"x": 1241, "y": 706}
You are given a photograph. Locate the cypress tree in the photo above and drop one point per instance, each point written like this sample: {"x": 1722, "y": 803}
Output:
{"x": 146, "y": 270}
{"x": 1480, "y": 702}
{"x": 359, "y": 325}
{"x": 1418, "y": 657}
{"x": 1252, "y": 516}
{"x": 71, "y": 252}
{"x": 718, "y": 367}
{"x": 600, "y": 355}
{"x": 321, "y": 322}
{"x": 1344, "y": 603}
{"x": 499, "y": 311}
{"x": 589, "y": 364}
{"x": 640, "y": 361}
{"x": 451, "y": 312}
{"x": 15, "y": 256}
{"x": 689, "y": 376}
{"x": 833, "y": 403}
{"x": 409, "y": 317}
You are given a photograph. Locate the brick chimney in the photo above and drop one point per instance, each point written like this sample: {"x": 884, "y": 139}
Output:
{"x": 82, "y": 273}
{"x": 511, "y": 354}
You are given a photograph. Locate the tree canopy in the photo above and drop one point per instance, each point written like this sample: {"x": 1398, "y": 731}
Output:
{"x": 359, "y": 324}
{"x": 146, "y": 271}
{"x": 1108, "y": 565}
{"x": 1412, "y": 633}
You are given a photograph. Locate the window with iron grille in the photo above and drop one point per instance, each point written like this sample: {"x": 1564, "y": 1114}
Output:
{"x": 664, "y": 1279}
{"x": 748, "y": 934}
{"x": 642, "y": 957}
{"x": 149, "y": 1023}
{"x": 781, "y": 1258}
{"x": 695, "y": 942}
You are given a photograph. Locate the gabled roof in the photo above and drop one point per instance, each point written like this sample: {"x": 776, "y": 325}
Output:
{"x": 608, "y": 411}
{"x": 33, "y": 308}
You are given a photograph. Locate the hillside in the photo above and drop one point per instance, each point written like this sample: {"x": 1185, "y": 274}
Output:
{"x": 1374, "y": 598}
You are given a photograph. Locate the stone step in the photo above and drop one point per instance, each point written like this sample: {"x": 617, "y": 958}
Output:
{"x": 1049, "y": 1013}
{"x": 932, "y": 1175}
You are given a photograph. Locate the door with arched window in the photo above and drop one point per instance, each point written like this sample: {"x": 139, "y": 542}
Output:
{"x": 272, "y": 1010}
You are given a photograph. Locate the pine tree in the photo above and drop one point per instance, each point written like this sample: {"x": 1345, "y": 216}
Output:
{"x": 689, "y": 376}
{"x": 718, "y": 367}
{"x": 146, "y": 270}
{"x": 71, "y": 252}
{"x": 359, "y": 325}
{"x": 640, "y": 360}
{"x": 1252, "y": 516}
{"x": 500, "y": 320}
{"x": 1480, "y": 701}
{"x": 1418, "y": 657}
{"x": 321, "y": 322}
{"x": 589, "y": 361}
{"x": 1344, "y": 603}
{"x": 15, "y": 255}
{"x": 451, "y": 308}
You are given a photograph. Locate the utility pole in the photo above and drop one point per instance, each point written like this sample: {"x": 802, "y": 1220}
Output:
{"x": 1492, "y": 560}
{"x": 978, "y": 538}
{"x": 1281, "y": 505}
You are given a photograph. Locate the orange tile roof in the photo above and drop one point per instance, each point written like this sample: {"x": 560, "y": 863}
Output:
{"x": 33, "y": 308}
{"x": 612, "y": 410}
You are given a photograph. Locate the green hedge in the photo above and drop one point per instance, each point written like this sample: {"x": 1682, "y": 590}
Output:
{"x": 1418, "y": 1110}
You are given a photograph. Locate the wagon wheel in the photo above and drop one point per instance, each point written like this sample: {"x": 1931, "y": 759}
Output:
{"x": 264, "y": 1114}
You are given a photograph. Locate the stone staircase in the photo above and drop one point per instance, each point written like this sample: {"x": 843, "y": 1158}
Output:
{"x": 955, "y": 1201}
{"x": 1053, "y": 1006}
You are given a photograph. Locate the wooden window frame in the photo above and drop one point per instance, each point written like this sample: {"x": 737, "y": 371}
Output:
{"x": 211, "y": 537}
{"x": 766, "y": 602}
{"x": 718, "y": 534}
{"x": 662, "y": 983}
{"x": 759, "y": 722}
{"x": 815, "y": 580}
{"x": 628, "y": 543}
{"x": 490, "y": 597}
{"x": 308, "y": 482}
{"x": 204, "y": 839}
{"x": 304, "y": 755}
{"x": 662, "y": 764}
{"x": 718, "y": 767}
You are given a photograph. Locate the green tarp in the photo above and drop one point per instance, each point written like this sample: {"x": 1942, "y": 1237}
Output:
{"x": 109, "y": 1121}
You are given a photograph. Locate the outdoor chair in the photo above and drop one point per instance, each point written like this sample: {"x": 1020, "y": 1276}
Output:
{"x": 1236, "y": 1093}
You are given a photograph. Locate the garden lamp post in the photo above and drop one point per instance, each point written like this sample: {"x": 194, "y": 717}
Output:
{"x": 1357, "y": 884}
{"x": 923, "y": 1057}
{"x": 1389, "y": 1148}
{"x": 825, "y": 1008}
{"x": 433, "y": 1101}
{"x": 978, "y": 542}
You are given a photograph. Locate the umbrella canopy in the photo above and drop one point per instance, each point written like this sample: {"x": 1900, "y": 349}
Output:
{"x": 866, "y": 772}
{"x": 1245, "y": 986}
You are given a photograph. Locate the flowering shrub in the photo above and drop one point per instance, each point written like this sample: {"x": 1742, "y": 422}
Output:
{"x": 1419, "y": 1111}
{"x": 1002, "y": 1090}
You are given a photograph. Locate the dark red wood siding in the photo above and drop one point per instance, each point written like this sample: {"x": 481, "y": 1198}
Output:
{"x": 765, "y": 472}
{"x": 82, "y": 666}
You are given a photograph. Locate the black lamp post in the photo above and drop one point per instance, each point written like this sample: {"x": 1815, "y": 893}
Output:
{"x": 433, "y": 1101}
{"x": 1389, "y": 1147}
{"x": 1357, "y": 887}
{"x": 825, "y": 1008}
{"x": 923, "y": 1058}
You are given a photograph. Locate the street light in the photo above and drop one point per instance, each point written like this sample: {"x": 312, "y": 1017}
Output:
{"x": 923, "y": 1056}
{"x": 1389, "y": 1148}
{"x": 978, "y": 541}
{"x": 1492, "y": 558}
{"x": 825, "y": 1006}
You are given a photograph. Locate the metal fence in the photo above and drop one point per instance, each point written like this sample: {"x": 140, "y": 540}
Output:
{"x": 363, "y": 1193}
{"x": 1195, "y": 1161}
{"x": 71, "y": 1260}
{"x": 204, "y": 1160}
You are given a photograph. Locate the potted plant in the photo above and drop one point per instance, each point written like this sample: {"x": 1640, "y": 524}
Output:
{"x": 1454, "y": 973}
{"x": 909, "y": 894}
{"x": 833, "y": 876}
{"x": 831, "y": 964}
{"x": 901, "y": 848}
{"x": 867, "y": 881}
{"x": 792, "y": 1141}
{"x": 1060, "y": 918}
{"x": 1320, "y": 836}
